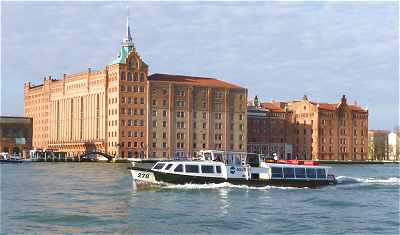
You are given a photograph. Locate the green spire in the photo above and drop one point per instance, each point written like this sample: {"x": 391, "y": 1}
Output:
{"x": 256, "y": 101}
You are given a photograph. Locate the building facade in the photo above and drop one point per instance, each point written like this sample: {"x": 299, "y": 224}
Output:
{"x": 269, "y": 130}
{"x": 326, "y": 131}
{"x": 109, "y": 111}
{"x": 187, "y": 114}
{"x": 15, "y": 135}
{"x": 378, "y": 145}
{"x": 394, "y": 145}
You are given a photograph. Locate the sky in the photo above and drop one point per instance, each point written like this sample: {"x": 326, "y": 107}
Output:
{"x": 278, "y": 50}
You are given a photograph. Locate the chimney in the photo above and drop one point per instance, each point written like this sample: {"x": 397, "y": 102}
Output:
{"x": 343, "y": 100}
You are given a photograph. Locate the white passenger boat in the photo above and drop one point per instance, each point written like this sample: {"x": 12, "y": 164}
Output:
{"x": 233, "y": 167}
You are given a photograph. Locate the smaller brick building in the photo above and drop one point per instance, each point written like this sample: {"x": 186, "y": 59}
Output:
{"x": 15, "y": 134}
{"x": 269, "y": 130}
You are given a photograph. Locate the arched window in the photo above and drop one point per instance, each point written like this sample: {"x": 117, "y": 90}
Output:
{"x": 129, "y": 76}
{"x": 132, "y": 63}
{"x": 135, "y": 77}
{"x": 142, "y": 77}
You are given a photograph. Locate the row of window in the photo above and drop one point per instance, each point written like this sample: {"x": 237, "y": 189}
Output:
{"x": 189, "y": 168}
{"x": 132, "y": 88}
{"x": 299, "y": 173}
{"x": 135, "y": 77}
{"x": 131, "y": 100}
{"x": 130, "y": 111}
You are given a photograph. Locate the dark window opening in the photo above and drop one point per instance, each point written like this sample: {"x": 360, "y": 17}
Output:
{"x": 179, "y": 168}
{"x": 169, "y": 166}
{"x": 288, "y": 172}
{"x": 192, "y": 168}
{"x": 276, "y": 172}
{"x": 159, "y": 166}
{"x": 207, "y": 169}
{"x": 300, "y": 172}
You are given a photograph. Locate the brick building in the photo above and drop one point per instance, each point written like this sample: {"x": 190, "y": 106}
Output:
{"x": 269, "y": 130}
{"x": 15, "y": 134}
{"x": 326, "y": 131}
{"x": 378, "y": 145}
{"x": 187, "y": 114}
{"x": 313, "y": 130}
{"x": 110, "y": 110}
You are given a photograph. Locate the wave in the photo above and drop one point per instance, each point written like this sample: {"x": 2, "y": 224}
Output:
{"x": 224, "y": 185}
{"x": 376, "y": 181}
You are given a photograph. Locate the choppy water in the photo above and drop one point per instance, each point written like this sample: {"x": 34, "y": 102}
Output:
{"x": 54, "y": 198}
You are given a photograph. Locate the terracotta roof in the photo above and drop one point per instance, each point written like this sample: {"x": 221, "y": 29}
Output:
{"x": 327, "y": 106}
{"x": 197, "y": 81}
{"x": 357, "y": 108}
{"x": 333, "y": 107}
{"x": 272, "y": 107}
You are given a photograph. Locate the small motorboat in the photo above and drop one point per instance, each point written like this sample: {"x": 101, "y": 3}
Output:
{"x": 6, "y": 158}
{"x": 236, "y": 168}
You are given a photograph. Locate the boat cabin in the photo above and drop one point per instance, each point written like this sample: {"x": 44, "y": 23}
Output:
{"x": 231, "y": 158}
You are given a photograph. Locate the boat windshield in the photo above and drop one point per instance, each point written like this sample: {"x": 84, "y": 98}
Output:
{"x": 207, "y": 156}
{"x": 217, "y": 157}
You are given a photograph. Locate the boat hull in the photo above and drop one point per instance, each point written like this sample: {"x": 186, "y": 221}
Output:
{"x": 148, "y": 176}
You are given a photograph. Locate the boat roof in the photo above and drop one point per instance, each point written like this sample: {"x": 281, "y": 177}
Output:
{"x": 295, "y": 166}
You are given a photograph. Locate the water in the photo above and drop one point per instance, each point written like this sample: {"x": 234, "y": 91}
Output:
{"x": 54, "y": 198}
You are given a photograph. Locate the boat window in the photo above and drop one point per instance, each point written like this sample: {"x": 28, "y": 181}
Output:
{"x": 169, "y": 166}
{"x": 321, "y": 173}
{"x": 192, "y": 168}
{"x": 218, "y": 168}
{"x": 179, "y": 168}
{"x": 276, "y": 172}
{"x": 207, "y": 169}
{"x": 310, "y": 173}
{"x": 158, "y": 166}
{"x": 229, "y": 159}
{"x": 218, "y": 157}
{"x": 288, "y": 172}
{"x": 238, "y": 159}
{"x": 253, "y": 160}
{"x": 207, "y": 156}
{"x": 300, "y": 172}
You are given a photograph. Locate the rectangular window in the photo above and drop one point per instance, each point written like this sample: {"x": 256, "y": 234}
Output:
{"x": 192, "y": 168}
{"x": 207, "y": 169}
{"x": 159, "y": 166}
{"x": 288, "y": 172}
{"x": 300, "y": 172}
{"x": 218, "y": 168}
{"x": 179, "y": 168}
{"x": 310, "y": 173}
{"x": 276, "y": 172}
{"x": 321, "y": 173}
{"x": 169, "y": 166}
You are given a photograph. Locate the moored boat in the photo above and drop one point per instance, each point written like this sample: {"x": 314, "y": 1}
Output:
{"x": 232, "y": 167}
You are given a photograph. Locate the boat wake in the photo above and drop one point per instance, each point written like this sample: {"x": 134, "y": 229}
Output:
{"x": 224, "y": 185}
{"x": 372, "y": 181}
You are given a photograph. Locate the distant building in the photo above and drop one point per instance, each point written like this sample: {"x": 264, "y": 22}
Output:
{"x": 308, "y": 130}
{"x": 15, "y": 134}
{"x": 329, "y": 131}
{"x": 123, "y": 112}
{"x": 378, "y": 145}
{"x": 394, "y": 145}
{"x": 187, "y": 114}
{"x": 269, "y": 130}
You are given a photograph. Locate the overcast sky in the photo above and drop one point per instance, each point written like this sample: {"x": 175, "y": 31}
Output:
{"x": 278, "y": 50}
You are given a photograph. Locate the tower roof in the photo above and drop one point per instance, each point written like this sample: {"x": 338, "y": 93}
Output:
{"x": 126, "y": 46}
